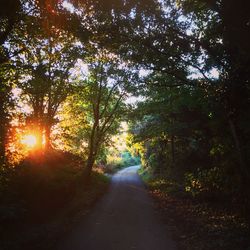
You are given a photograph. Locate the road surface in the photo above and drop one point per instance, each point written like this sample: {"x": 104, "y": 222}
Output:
{"x": 124, "y": 219}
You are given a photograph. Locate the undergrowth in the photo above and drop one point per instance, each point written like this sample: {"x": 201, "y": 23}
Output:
{"x": 198, "y": 224}
{"x": 42, "y": 196}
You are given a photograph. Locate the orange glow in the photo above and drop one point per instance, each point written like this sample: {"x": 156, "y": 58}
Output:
{"x": 29, "y": 140}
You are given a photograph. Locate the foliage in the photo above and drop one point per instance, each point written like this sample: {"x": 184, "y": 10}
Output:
{"x": 97, "y": 106}
{"x": 120, "y": 160}
{"x": 208, "y": 181}
{"x": 186, "y": 61}
{"x": 44, "y": 182}
{"x": 43, "y": 72}
{"x": 47, "y": 195}
{"x": 199, "y": 224}
{"x": 192, "y": 117}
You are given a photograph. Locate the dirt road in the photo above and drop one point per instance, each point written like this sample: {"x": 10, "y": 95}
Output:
{"x": 124, "y": 219}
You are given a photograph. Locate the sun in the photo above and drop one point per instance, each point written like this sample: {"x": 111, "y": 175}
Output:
{"x": 29, "y": 140}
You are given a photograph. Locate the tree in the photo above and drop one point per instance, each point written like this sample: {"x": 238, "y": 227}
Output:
{"x": 99, "y": 104}
{"x": 193, "y": 55}
{"x": 225, "y": 40}
{"x": 44, "y": 72}
{"x": 9, "y": 17}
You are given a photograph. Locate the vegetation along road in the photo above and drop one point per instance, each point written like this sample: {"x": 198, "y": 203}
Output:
{"x": 124, "y": 219}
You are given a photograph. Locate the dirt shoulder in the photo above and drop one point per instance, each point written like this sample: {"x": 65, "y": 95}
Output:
{"x": 201, "y": 225}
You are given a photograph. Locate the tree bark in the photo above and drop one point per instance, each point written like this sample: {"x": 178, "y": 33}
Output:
{"x": 91, "y": 154}
{"x": 242, "y": 163}
{"x": 173, "y": 148}
{"x": 39, "y": 136}
{"x": 47, "y": 145}
{"x": 89, "y": 165}
{"x": 2, "y": 146}
{"x": 244, "y": 172}
{"x": 3, "y": 130}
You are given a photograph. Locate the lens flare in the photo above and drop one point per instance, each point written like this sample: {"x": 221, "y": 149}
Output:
{"x": 29, "y": 140}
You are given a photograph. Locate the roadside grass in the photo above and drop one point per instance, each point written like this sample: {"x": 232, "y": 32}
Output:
{"x": 198, "y": 224}
{"x": 44, "y": 198}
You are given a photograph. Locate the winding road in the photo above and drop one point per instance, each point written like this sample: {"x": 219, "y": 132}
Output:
{"x": 124, "y": 219}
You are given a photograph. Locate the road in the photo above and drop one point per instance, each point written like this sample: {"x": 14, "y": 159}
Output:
{"x": 124, "y": 219}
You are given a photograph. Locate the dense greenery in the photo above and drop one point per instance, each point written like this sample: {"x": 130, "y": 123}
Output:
{"x": 192, "y": 125}
{"x": 68, "y": 70}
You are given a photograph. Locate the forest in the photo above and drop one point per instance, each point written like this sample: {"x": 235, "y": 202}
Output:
{"x": 90, "y": 87}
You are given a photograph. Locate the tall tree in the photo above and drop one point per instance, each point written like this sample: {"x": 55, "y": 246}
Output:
{"x": 9, "y": 16}
{"x": 99, "y": 104}
{"x": 44, "y": 71}
{"x": 191, "y": 46}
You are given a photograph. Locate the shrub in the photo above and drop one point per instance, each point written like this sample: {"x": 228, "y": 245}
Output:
{"x": 204, "y": 182}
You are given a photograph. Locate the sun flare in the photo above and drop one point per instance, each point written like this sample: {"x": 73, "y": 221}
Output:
{"x": 29, "y": 140}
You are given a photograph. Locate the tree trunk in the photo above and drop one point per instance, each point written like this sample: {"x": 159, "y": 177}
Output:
{"x": 173, "y": 148}
{"x": 242, "y": 163}
{"x": 3, "y": 130}
{"x": 47, "y": 137}
{"x": 39, "y": 136}
{"x": 89, "y": 166}
{"x": 90, "y": 163}
{"x": 244, "y": 172}
{"x": 92, "y": 152}
{"x": 2, "y": 145}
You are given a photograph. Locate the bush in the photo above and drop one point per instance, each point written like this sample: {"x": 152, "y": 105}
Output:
{"x": 41, "y": 182}
{"x": 204, "y": 182}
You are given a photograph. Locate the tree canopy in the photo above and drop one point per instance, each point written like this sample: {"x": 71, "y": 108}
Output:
{"x": 74, "y": 66}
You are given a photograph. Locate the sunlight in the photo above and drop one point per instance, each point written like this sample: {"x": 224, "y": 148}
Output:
{"x": 68, "y": 6}
{"x": 29, "y": 140}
